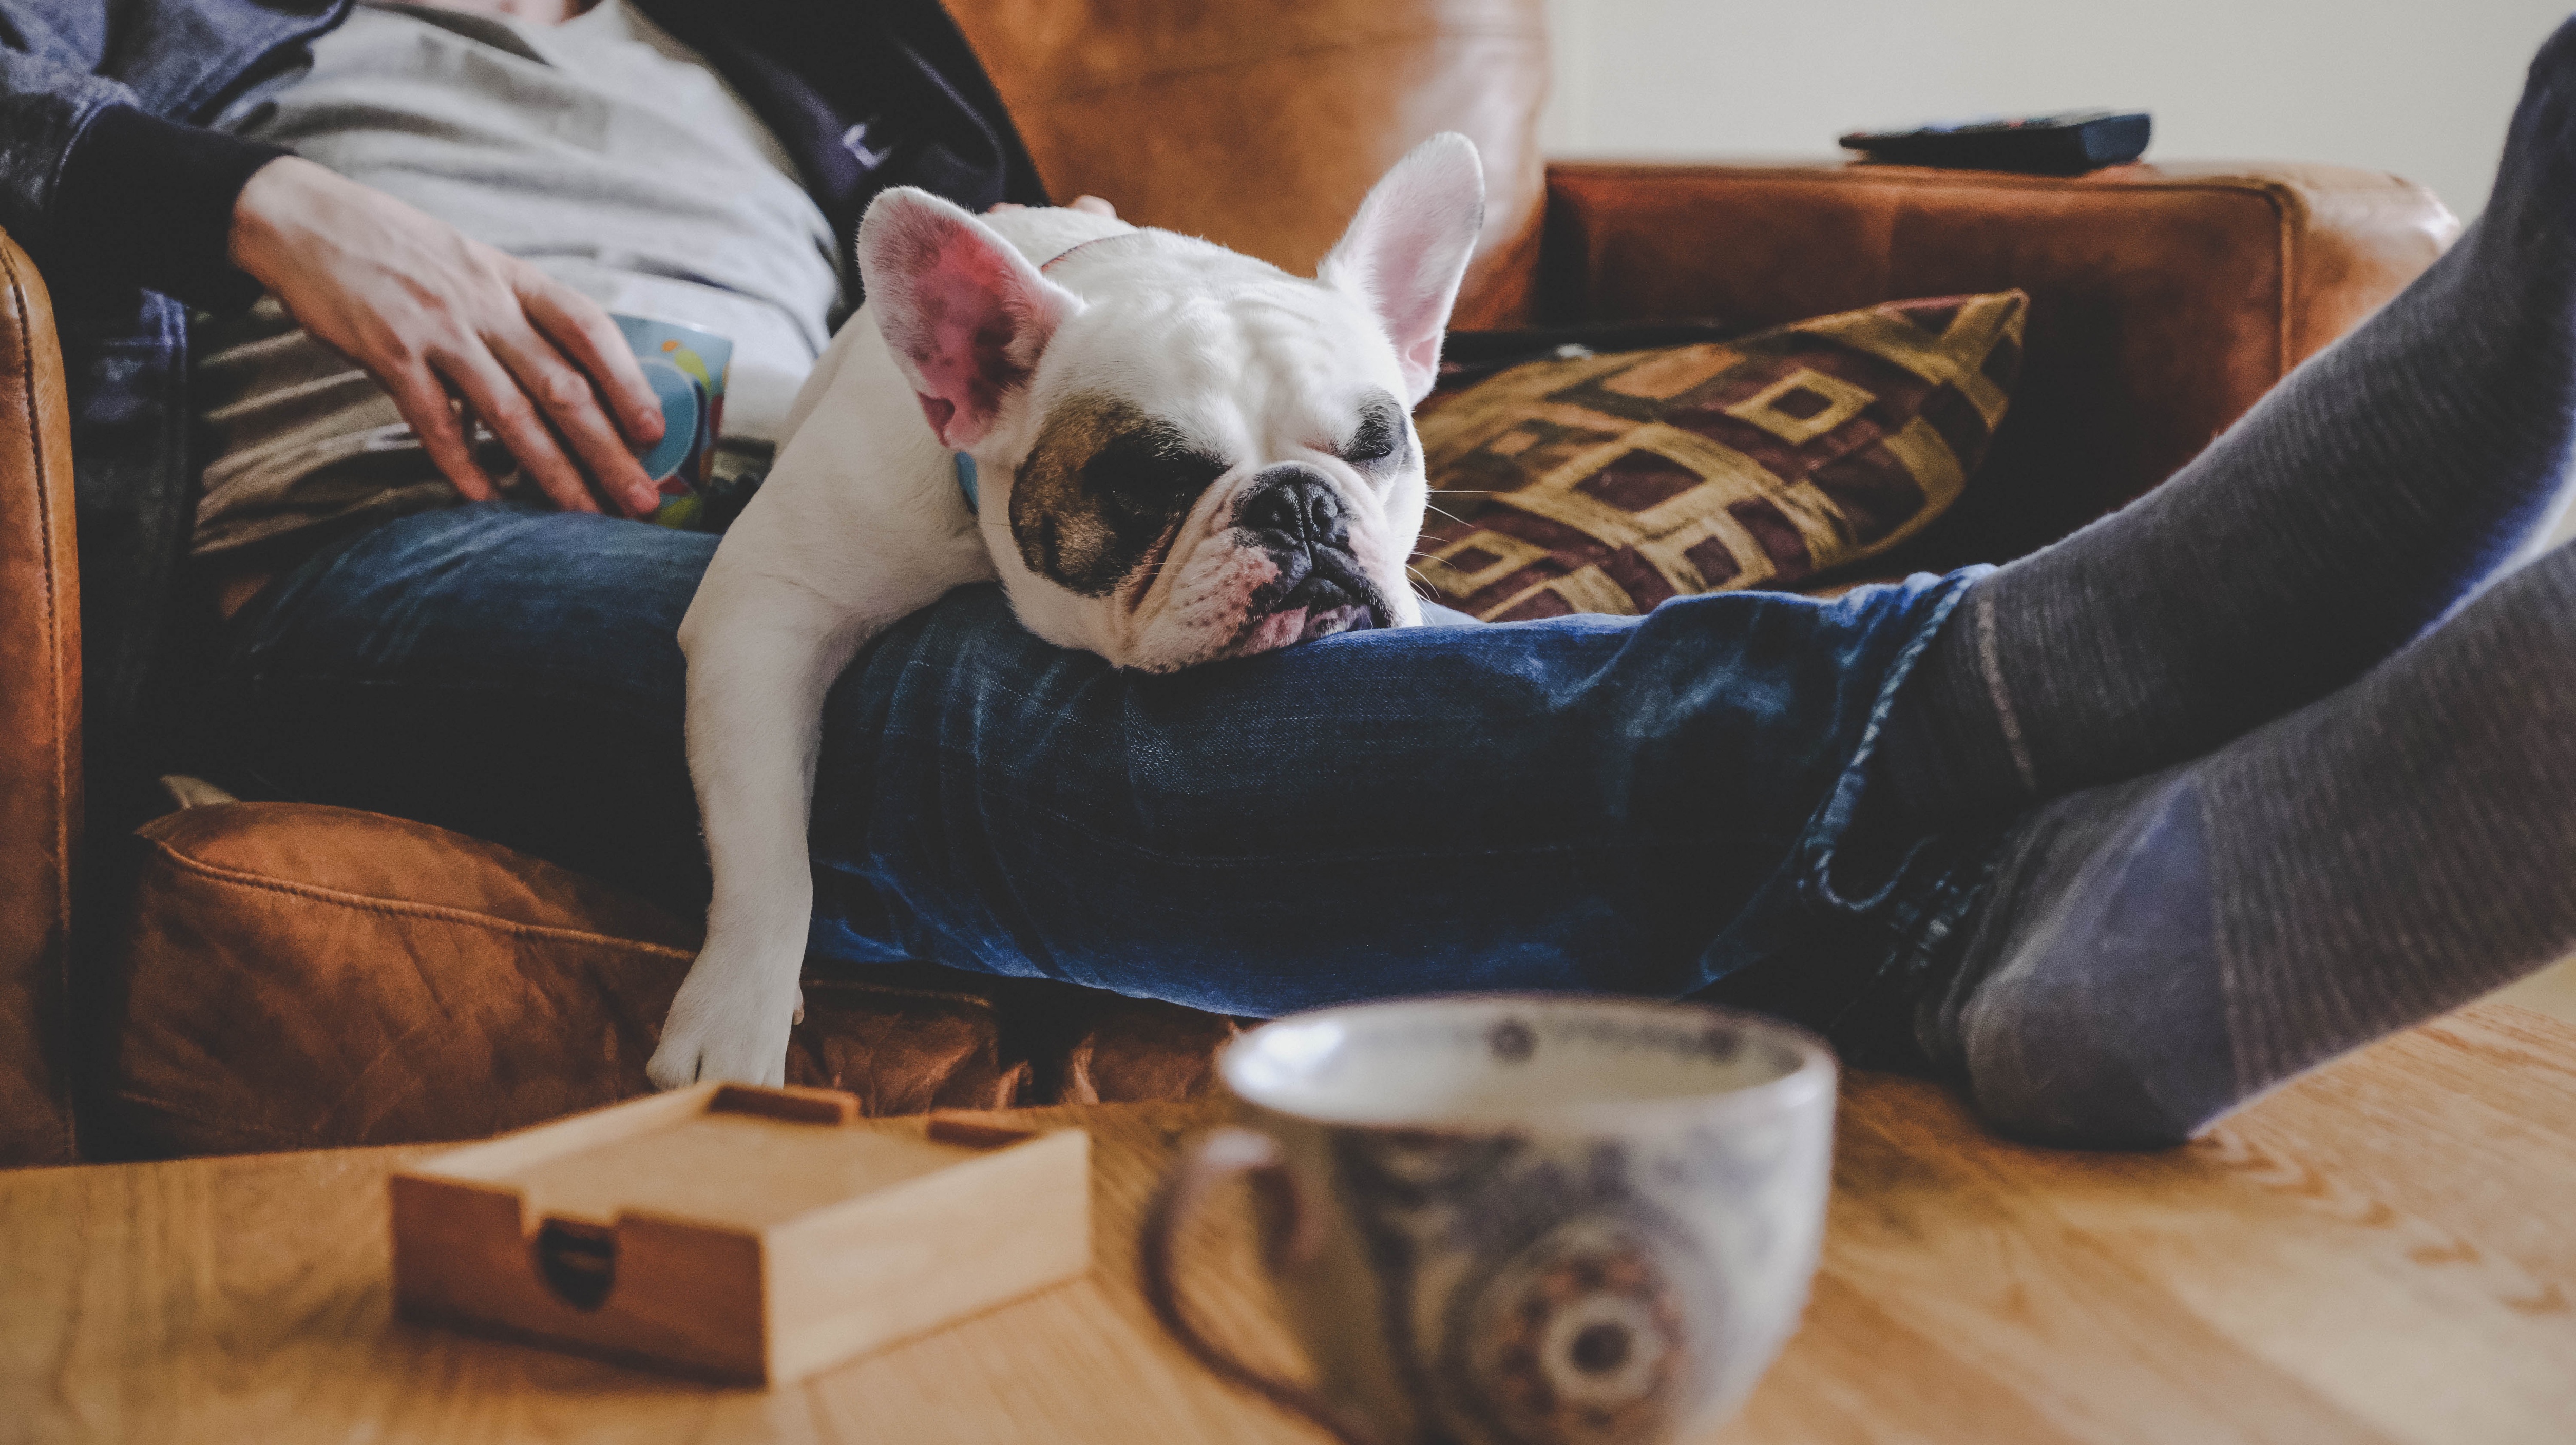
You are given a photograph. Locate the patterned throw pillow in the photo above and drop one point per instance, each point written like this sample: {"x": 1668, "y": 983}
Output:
{"x": 1609, "y": 483}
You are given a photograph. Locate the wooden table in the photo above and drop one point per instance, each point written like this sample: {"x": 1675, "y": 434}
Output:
{"x": 2385, "y": 1252}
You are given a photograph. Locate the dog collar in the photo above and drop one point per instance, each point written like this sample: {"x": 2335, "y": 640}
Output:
{"x": 1078, "y": 245}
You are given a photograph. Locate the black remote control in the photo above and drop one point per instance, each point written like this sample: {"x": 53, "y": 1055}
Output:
{"x": 2045, "y": 144}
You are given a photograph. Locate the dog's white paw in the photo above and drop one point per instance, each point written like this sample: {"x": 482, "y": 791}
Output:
{"x": 729, "y": 1023}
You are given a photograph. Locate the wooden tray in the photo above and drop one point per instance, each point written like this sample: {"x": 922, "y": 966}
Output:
{"x": 737, "y": 1233}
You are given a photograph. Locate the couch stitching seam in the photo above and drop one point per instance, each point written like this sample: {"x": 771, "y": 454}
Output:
{"x": 24, "y": 322}
{"x": 404, "y": 909}
{"x": 2290, "y": 234}
{"x": 308, "y": 1139}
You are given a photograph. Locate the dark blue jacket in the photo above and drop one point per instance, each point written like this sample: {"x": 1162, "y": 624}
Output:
{"x": 126, "y": 206}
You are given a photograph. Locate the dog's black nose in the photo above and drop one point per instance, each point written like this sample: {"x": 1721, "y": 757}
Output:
{"x": 1294, "y": 507}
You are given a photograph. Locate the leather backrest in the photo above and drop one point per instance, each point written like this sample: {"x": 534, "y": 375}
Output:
{"x": 1259, "y": 124}
{"x": 2165, "y": 300}
{"x": 40, "y": 762}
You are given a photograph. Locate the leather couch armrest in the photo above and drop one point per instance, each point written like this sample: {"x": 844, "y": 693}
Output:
{"x": 40, "y": 701}
{"x": 2164, "y": 298}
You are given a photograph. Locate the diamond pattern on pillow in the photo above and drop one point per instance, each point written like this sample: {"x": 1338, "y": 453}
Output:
{"x": 1610, "y": 483}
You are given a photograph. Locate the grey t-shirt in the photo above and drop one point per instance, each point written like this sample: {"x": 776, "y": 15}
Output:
{"x": 601, "y": 150}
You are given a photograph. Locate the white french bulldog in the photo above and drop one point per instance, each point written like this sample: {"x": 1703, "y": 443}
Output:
{"x": 1165, "y": 451}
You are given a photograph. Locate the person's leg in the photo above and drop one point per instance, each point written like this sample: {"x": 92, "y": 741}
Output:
{"x": 2153, "y": 953}
{"x": 2356, "y": 504}
{"x": 1600, "y": 803}
{"x": 1589, "y": 803}
{"x": 502, "y": 671}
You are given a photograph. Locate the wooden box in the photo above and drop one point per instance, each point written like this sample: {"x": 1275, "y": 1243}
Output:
{"x": 742, "y": 1234}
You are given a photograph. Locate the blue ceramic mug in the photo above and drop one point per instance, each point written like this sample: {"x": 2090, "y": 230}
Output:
{"x": 686, "y": 367}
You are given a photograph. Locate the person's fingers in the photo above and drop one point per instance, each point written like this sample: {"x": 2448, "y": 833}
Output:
{"x": 590, "y": 337}
{"x": 444, "y": 435}
{"x": 998, "y": 207}
{"x": 495, "y": 397}
{"x": 572, "y": 407}
{"x": 423, "y": 309}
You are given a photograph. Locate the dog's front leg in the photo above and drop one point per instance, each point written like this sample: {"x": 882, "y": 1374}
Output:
{"x": 759, "y": 666}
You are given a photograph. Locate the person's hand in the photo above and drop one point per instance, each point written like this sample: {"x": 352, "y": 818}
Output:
{"x": 1092, "y": 205}
{"x": 455, "y": 331}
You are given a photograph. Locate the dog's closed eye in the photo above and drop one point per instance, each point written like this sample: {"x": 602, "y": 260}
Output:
{"x": 1103, "y": 486}
{"x": 1380, "y": 435}
{"x": 1150, "y": 474}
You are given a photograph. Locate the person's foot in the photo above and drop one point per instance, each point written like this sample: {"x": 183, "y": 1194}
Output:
{"x": 2153, "y": 954}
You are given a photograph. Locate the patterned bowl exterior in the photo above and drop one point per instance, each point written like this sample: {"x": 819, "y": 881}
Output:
{"x": 1609, "y": 1277}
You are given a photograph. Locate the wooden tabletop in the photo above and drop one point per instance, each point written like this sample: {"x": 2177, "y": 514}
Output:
{"x": 2384, "y": 1252}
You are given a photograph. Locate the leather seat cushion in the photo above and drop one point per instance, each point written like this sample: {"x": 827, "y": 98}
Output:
{"x": 297, "y": 976}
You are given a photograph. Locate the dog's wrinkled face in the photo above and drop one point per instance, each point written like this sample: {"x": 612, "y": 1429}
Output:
{"x": 1187, "y": 454}
{"x": 1212, "y": 473}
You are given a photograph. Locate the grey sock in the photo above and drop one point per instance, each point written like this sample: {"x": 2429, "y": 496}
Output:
{"x": 2358, "y": 502}
{"x": 2153, "y": 953}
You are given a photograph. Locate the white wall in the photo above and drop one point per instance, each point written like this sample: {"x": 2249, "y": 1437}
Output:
{"x": 2410, "y": 86}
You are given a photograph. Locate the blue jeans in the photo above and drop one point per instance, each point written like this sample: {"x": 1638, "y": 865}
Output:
{"x": 1644, "y": 805}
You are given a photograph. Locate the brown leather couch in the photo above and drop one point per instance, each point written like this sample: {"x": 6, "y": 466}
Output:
{"x": 286, "y": 976}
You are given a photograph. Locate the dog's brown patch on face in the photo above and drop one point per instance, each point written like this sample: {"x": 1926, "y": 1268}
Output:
{"x": 1103, "y": 487}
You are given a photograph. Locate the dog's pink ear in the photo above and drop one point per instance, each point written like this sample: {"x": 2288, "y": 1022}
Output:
{"x": 1407, "y": 249}
{"x": 964, "y": 312}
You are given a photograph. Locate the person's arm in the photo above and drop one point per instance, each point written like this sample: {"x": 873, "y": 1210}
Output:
{"x": 100, "y": 192}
